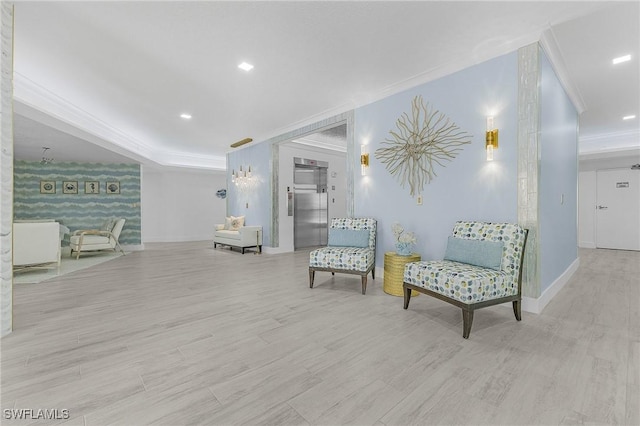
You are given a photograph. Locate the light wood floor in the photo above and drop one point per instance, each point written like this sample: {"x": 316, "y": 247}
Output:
{"x": 185, "y": 334}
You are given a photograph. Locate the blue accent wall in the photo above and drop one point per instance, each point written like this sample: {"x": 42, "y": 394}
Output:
{"x": 254, "y": 204}
{"x": 558, "y": 178}
{"x": 79, "y": 211}
{"x": 468, "y": 187}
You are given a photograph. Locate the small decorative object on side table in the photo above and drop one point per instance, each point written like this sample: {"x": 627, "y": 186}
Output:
{"x": 394, "y": 272}
{"x": 404, "y": 240}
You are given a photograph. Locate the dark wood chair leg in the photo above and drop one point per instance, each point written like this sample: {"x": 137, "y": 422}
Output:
{"x": 373, "y": 272}
{"x": 407, "y": 296}
{"x": 364, "y": 283}
{"x": 333, "y": 273}
{"x": 517, "y": 309}
{"x": 311, "y": 276}
{"x": 467, "y": 320}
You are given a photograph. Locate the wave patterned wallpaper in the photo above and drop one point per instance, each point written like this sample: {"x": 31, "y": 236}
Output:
{"x": 81, "y": 210}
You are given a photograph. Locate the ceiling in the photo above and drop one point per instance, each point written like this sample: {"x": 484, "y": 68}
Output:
{"x": 107, "y": 81}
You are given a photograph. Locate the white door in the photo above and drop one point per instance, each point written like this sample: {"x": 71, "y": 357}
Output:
{"x": 618, "y": 209}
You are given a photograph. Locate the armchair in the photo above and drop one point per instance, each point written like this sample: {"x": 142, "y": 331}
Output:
{"x": 36, "y": 244}
{"x": 482, "y": 267}
{"x": 97, "y": 239}
{"x": 351, "y": 250}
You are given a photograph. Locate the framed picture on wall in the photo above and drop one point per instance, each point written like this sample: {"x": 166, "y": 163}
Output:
{"x": 113, "y": 187}
{"x": 70, "y": 187}
{"x": 47, "y": 186}
{"x": 91, "y": 187}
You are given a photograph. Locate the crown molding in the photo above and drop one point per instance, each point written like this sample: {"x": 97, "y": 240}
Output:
{"x": 629, "y": 135}
{"x": 38, "y": 100}
{"x": 320, "y": 145}
{"x": 610, "y": 153}
{"x": 406, "y": 84}
{"x": 617, "y": 143}
{"x": 550, "y": 45}
{"x": 313, "y": 120}
{"x": 44, "y": 100}
{"x": 482, "y": 54}
{"x": 194, "y": 161}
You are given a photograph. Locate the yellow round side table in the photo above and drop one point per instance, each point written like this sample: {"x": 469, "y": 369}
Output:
{"x": 394, "y": 272}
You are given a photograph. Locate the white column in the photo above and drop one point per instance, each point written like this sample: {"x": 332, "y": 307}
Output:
{"x": 529, "y": 163}
{"x": 6, "y": 168}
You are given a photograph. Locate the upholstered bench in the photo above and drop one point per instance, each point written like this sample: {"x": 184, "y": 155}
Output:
{"x": 482, "y": 267}
{"x": 351, "y": 250}
{"x": 233, "y": 233}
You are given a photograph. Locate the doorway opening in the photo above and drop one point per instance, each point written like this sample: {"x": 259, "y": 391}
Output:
{"x": 329, "y": 140}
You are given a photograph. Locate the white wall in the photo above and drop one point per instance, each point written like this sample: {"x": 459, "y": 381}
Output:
{"x": 337, "y": 197}
{"x": 180, "y": 204}
{"x": 253, "y": 203}
{"x": 587, "y": 209}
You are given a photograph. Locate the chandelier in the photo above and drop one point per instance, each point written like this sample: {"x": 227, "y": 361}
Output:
{"x": 242, "y": 179}
{"x": 45, "y": 159}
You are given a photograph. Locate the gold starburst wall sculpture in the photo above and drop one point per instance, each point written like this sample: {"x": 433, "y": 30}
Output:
{"x": 423, "y": 140}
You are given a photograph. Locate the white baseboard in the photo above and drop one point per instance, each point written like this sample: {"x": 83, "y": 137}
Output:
{"x": 180, "y": 239}
{"x": 535, "y": 306}
{"x": 379, "y": 272}
{"x": 275, "y": 250}
{"x": 587, "y": 244}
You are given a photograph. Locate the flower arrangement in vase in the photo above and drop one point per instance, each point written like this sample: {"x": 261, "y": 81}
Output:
{"x": 404, "y": 240}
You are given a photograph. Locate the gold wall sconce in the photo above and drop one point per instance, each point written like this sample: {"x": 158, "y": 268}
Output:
{"x": 491, "y": 139}
{"x": 364, "y": 160}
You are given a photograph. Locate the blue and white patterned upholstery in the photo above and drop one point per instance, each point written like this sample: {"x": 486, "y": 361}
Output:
{"x": 347, "y": 258}
{"x": 468, "y": 283}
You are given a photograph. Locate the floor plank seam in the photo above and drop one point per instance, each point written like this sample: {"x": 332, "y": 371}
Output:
{"x": 246, "y": 329}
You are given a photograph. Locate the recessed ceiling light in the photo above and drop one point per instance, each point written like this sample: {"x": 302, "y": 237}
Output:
{"x": 245, "y": 66}
{"x": 185, "y": 116}
{"x": 628, "y": 117}
{"x": 621, "y": 59}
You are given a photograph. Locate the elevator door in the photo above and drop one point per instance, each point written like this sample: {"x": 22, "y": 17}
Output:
{"x": 310, "y": 208}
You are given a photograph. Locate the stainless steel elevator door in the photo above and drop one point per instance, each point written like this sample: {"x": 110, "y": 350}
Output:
{"x": 310, "y": 206}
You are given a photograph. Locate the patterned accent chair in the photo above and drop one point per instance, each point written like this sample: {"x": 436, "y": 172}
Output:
{"x": 351, "y": 250}
{"x": 482, "y": 267}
